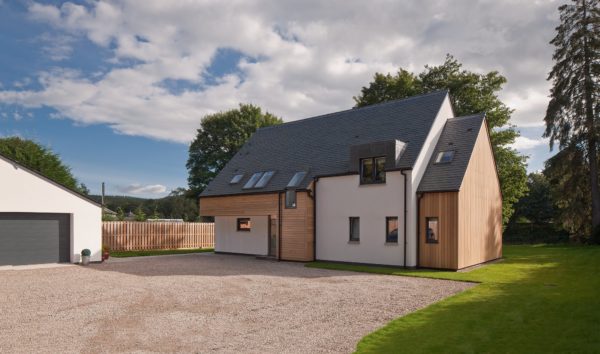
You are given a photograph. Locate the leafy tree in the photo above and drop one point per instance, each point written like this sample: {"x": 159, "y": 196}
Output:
{"x": 567, "y": 174}
{"x": 41, "y": 160}
{"x": 538, "y": 205}
{"x": 219, "y": 138}
{"x": 470, "y": 93}
{"x": 573, "y": 114}
{"x": 120, "y": 214}
{"x": 139, "y": 214}
{"x": 155, "y": 215}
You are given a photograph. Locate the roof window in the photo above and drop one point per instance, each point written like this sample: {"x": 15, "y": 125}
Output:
{"x": 266, "y": 177}
{"x": 252, "y": 181}
{"x": 445, "y": 156}
{"x": 295, "y": 181}
{"x": 236, "y": 179}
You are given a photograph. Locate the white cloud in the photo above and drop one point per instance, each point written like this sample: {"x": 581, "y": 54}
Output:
{"x": 56, "y": 47}
{"x": 138, "y": 189}
{"x": 312, "y": 57}
{"x": 523, "y": 143}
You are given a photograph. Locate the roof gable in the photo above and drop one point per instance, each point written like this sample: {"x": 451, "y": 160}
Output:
{"x": 321, "y": 145}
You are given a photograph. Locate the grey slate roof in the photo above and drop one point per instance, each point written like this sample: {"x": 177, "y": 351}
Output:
{"x": 459, "y": 134}
{"x": 321, "y": 145}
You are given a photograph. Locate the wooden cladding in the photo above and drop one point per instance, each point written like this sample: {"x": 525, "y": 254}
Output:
{"x": 150, "y": 235}
{"x": 443, "y": 253}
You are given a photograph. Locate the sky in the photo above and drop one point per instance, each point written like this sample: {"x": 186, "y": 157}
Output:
{"x": 118, "y": 88}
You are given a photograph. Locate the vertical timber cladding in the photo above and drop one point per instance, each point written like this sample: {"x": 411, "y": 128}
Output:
{"x": 444, "y": 254}
{"x": 297, "y": 226}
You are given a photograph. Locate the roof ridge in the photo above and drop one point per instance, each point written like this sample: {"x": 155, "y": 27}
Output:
{"x": 446, "y": 91}
{"x": 476, "y": 115}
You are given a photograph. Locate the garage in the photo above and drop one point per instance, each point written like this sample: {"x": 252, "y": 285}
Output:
{"x": 33, "y": 238}
{"x": 42, "y": 221}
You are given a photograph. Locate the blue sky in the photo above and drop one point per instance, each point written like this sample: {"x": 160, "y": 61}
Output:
{"x": 117, "y": 88}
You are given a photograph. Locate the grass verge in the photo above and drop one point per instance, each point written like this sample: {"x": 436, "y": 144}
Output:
{"x": 122, "y": 254}
{"x": 540, "y": 298}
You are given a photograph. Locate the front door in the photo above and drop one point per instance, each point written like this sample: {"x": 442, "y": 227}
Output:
{"x": 272, "y": 237}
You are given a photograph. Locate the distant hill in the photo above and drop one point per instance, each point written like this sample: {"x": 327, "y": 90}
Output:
{"x": 169, "y": 207}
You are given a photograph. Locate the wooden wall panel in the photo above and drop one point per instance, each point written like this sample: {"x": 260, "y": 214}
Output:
{"x": 480, "y": 203}
{"x": 240, "y": 205}
{"x": 443, "y": 205}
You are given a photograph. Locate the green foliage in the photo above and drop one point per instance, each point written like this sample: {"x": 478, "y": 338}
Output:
{"x": 176, "y": 205}
{"x": 40, "y": 159}
{"x": 531, "y": 233}
{"x": 219, "y": 138}
{"x": 108, "y": 217}
{"x": 139, "y": 214}
{"x": 120, "y": 214}
{"x": 573, "y": 114}
{"x": 155, "y": 215}
{"x": 538, "y": 205}
{"x": 539, "y": 299}
{"x": 86, "y": 252}
{"x": 470, "y": 93}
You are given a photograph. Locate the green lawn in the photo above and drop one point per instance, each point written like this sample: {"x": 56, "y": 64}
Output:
{"x": 120, "y": 254}
{"x": 539, "y": 299}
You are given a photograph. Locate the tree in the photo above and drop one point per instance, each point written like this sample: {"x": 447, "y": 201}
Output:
{"x": 139, "y": 214}
{"x": 219, "y": 138}
{"x": 470, "y": 93}
{"x": 40, "y": 159}
{"x": 572, "y": 116}
{"x": 538, "y": 205}
{"x": 120, "y": 214}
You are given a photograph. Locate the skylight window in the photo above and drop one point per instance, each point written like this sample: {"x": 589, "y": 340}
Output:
{"x": 252, "y": 181}
{"x": 295, "y": 181}
{"x": 445, "y": 156}
{"x": 236, "y": 179}
{"x": 266, "y": 177}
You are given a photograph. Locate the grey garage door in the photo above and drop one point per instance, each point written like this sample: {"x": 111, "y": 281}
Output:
{"x": 33, "y": 238}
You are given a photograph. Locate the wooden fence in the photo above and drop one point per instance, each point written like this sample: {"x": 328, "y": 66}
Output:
{"x": 150, "y": 235}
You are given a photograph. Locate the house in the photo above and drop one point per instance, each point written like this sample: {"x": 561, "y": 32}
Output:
{"x": 42, "y": 221}
{"x": 401, "y": 183}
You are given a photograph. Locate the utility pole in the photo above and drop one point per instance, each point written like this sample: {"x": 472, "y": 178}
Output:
{"x": 102, "y": 195}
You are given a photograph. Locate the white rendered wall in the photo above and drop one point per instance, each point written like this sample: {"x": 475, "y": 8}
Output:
{"x": 228, "y": 239}
{"x": 24, "y": 192}
{"x": 339, "y": 198}
{"x": 416, "y": 175}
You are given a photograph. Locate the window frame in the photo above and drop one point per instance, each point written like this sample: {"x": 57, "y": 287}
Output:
{"x": 350, "y": 220}
{"x": 295, "y": 194}
{"x": 239, "y": 221}
{"x": 427, "y": 238}
{"x": 374, "y": 179}
{"x": 387, "y": 228}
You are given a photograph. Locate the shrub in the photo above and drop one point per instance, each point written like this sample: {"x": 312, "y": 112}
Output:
{"x": 86, "y": 252}
{"x": 519, "y": 233}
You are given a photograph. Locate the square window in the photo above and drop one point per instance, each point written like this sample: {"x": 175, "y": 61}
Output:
{"x": 290, "y": 199}
{"x": 391, "y": 229}
{"x": 432, "y": 234}
{"x": 444, "y": 156}
{"x": 372, "y": 170}
{"x": 354, "y": 229}
{"x": 244, "y": 224}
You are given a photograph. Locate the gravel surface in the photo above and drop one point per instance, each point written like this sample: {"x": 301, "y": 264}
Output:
{"x": 202, "y": 303}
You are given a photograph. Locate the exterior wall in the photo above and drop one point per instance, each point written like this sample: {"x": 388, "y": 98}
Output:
{"x": 297, "y": 231}
{"x": 24, "y": 192}
{"x": 416, "y": 175}
{"x": 480, "y": 204}
{"x": 228, "y": 239}
{"x": 339, "y": 198}
{"x": 443, "y": 254}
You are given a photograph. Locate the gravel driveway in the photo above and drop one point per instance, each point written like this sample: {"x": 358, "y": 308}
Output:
{"x": 202, "y": 303}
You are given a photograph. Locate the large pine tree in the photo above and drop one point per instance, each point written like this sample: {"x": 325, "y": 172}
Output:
{"x": 572, "y": 117}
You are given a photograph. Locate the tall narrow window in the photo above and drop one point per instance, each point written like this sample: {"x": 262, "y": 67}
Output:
{"x": 290, "y": 199}
{"x": 372, "y": 170}
{"x": 244, "y": 224}
{"x": 391, "y": 229}
{"x": 432, "y": 235}
{"x": 354, "y": 229}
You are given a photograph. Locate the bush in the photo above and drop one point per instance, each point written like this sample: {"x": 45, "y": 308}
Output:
{"x": 519, "y": 233}
{"x": 86, "y": 252}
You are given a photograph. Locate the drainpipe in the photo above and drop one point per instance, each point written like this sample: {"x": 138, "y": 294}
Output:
{"x": 404, "y": 219}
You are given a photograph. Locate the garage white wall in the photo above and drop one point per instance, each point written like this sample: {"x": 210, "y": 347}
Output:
{"x": 228, "y": 239}
{"x": 339, "y": 198}
{"x": 24, "y": 192}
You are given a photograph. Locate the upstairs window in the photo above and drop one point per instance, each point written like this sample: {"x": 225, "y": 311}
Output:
{"x": 236, "y": 179}
{"x": 252, "y": 181}
{"x": 445, "y": 156}
{"x": 372, "y": 170}
{"x": 290, "y": 199}
{"x": 295, "y": 181}
{"x": 266, "y": 177}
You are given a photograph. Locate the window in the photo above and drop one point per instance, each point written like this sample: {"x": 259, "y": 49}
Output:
{"x": 354, "y": 229}
{"x": 432, "y": 235}
{"x": 252, "y": 181}
{"x": 295, "y": 181}
{"x": 236, "y": 179}
{"x": 266, "y": 177}
{"x": 372, "y": 170}
{"x": 290, "y": 199}
{"x": 391, "y": 229}
{"x": 445, "y": 156}
{"x": 244, "y": 224}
